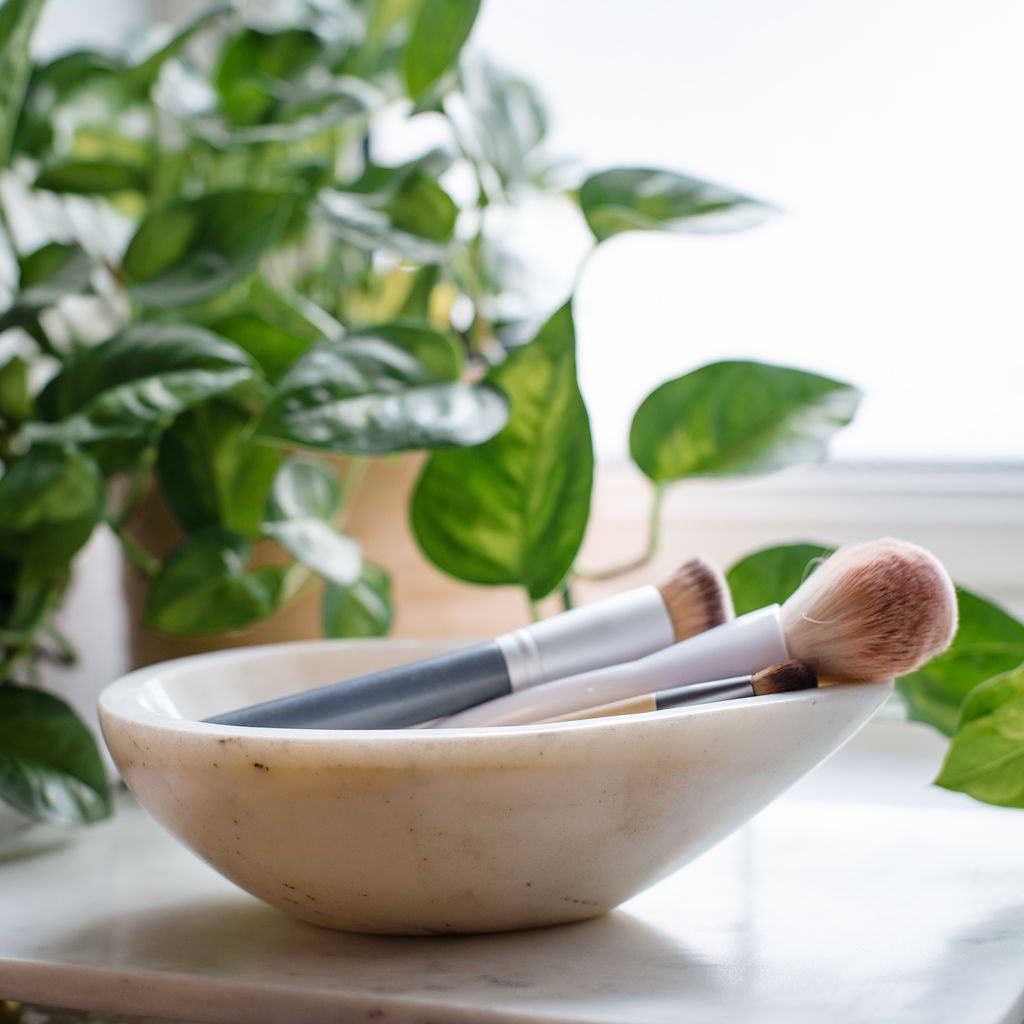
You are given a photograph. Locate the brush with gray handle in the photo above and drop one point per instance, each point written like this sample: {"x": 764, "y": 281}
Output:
{"x": 617, "y": 628}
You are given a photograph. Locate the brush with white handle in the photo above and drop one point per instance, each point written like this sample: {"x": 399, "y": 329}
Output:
{"x": 617, "y": 628}
{"x": 872, "y": 611}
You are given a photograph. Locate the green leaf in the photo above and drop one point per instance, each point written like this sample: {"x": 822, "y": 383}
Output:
{"x": 417, "y": 306}
{"x": 988, "y": 642}
{"x": 421, "y": 207}
{"x": 275, "y": 328}
{"x": 437, "y": 350}
{"x": 362, "y": 609}
{"x": 68, "y": 93}
{"x": 986, "y": 756}
{"x": 50, "y": 766}
{"x": 51, "y": 499}
{"x": 385, "y": 181}
{"x": 644, "y": 199}
{"x": 441, "y": 28}
{"x": 93, "y": 177}
{"x": 29, "y": 592}
{"x": 210, "y": 471}
{"x": 137, "y": 382}
{"x": 77, "y": 70}
{"x": 15, "y": 397}
{"x": 513, "y": 510}
{"x": 273, "y": 346}
{"x": 308, "y": 112}
{"x": 143, "y": 75}
{"x": 772, "y": 575}
{"x": 280, "y": 86}
{"x": 33, "y": 134}
{"x": 503, "y": 123}
{"x": 121, "y": 78}
{"x": 304, "y": 487}
{"x": 46, "y": 276}
{"x": 304, "y": 499}
{"x": 53, "y": 271}
{"x": 367, "y": 396}
{"x": 318, "y": 546}
{"x": 195, "y": 248}
{"x": 737, "y": 417}
{"x": 385, "y": 15}
{"x": 204, "y": 587}
{"x": 17, "y": 23}
{"x": 355, "y": 220}
{"x": 252, "y": 65}
{"x": 105, "y": 144}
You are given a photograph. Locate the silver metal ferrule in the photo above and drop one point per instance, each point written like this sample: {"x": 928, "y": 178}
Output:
{"x": 612, "y": 630}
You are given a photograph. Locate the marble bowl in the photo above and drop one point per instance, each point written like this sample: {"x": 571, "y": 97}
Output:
{"x": 421, "y": 831}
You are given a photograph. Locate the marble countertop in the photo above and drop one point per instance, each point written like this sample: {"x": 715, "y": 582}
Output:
{"x": 862, "y": 895}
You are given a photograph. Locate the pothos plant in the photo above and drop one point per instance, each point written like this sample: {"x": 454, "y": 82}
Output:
{"x": 215, "y": 286}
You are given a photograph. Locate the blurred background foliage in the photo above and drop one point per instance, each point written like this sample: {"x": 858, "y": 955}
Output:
{"x": 212, "y": 286}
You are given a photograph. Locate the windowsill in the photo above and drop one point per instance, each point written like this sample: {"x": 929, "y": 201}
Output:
{"x": 970, "y": 516}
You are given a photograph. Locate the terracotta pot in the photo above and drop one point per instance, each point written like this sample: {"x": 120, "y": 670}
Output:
{"x": 428, "y": 603}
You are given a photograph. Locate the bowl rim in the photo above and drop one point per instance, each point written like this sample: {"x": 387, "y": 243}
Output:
{"x": 119, "y": 701}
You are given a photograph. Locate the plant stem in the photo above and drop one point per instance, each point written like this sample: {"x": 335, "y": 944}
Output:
{"x": 650, "y": 550}
{"x": 15, "y": 656}
{"x": 65, "y": 649}
{"x": 355, "y": 473}
{"x": 5, "y": 223}
{"x": 297, "y": 579}
{"x": 146, "y": 563}
{"x": 480, "y": 329}
{"x": 137, "y": 491}
{"x": 478, "y": 335}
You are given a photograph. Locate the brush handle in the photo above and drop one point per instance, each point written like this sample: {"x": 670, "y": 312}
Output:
{"x": 392, "y": 698}
{"x": 663, "y": 700}
{"x": 617, "y": 628}
{"x": 742, "y": 646}
{"x": 705, "y": 693}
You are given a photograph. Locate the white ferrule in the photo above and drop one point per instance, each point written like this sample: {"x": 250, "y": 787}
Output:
{"x": 619, "y": 628}
{"x": 742, "y": 646}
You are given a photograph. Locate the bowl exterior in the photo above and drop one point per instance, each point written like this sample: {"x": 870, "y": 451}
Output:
{"x": 437, "y": 831}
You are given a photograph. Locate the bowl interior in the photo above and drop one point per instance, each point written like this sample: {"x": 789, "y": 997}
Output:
{"x": 198, "y": 687}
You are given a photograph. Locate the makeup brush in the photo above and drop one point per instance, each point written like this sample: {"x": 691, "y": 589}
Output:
{"x": 618, "y": 628}
{"x": 871, "y": 611}
{"x": 784, "y": 678}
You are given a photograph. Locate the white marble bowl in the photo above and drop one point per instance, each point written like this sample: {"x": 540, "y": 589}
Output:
{"x": 419, "y": 831}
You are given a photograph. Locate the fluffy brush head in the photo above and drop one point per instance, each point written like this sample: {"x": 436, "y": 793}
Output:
{"x": 871, "y": 611}
{"x": 697, "y": 598}
{"x": 790, "y": 675}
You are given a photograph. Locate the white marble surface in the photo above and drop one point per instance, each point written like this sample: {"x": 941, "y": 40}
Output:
{"x": 861, "y": 896}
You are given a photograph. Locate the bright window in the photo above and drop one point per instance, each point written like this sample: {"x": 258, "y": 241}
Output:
{"x": 890, "y": 134}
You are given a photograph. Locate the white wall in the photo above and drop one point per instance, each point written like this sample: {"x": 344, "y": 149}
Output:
{"x": 890, "y": 133}
{"x": 75, "y": 24}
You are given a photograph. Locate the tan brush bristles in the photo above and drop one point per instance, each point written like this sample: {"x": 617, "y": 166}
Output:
{"x": 696, "y": 597}
{"x": 872, "y": 611}
{"x": 790, "y": 675}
